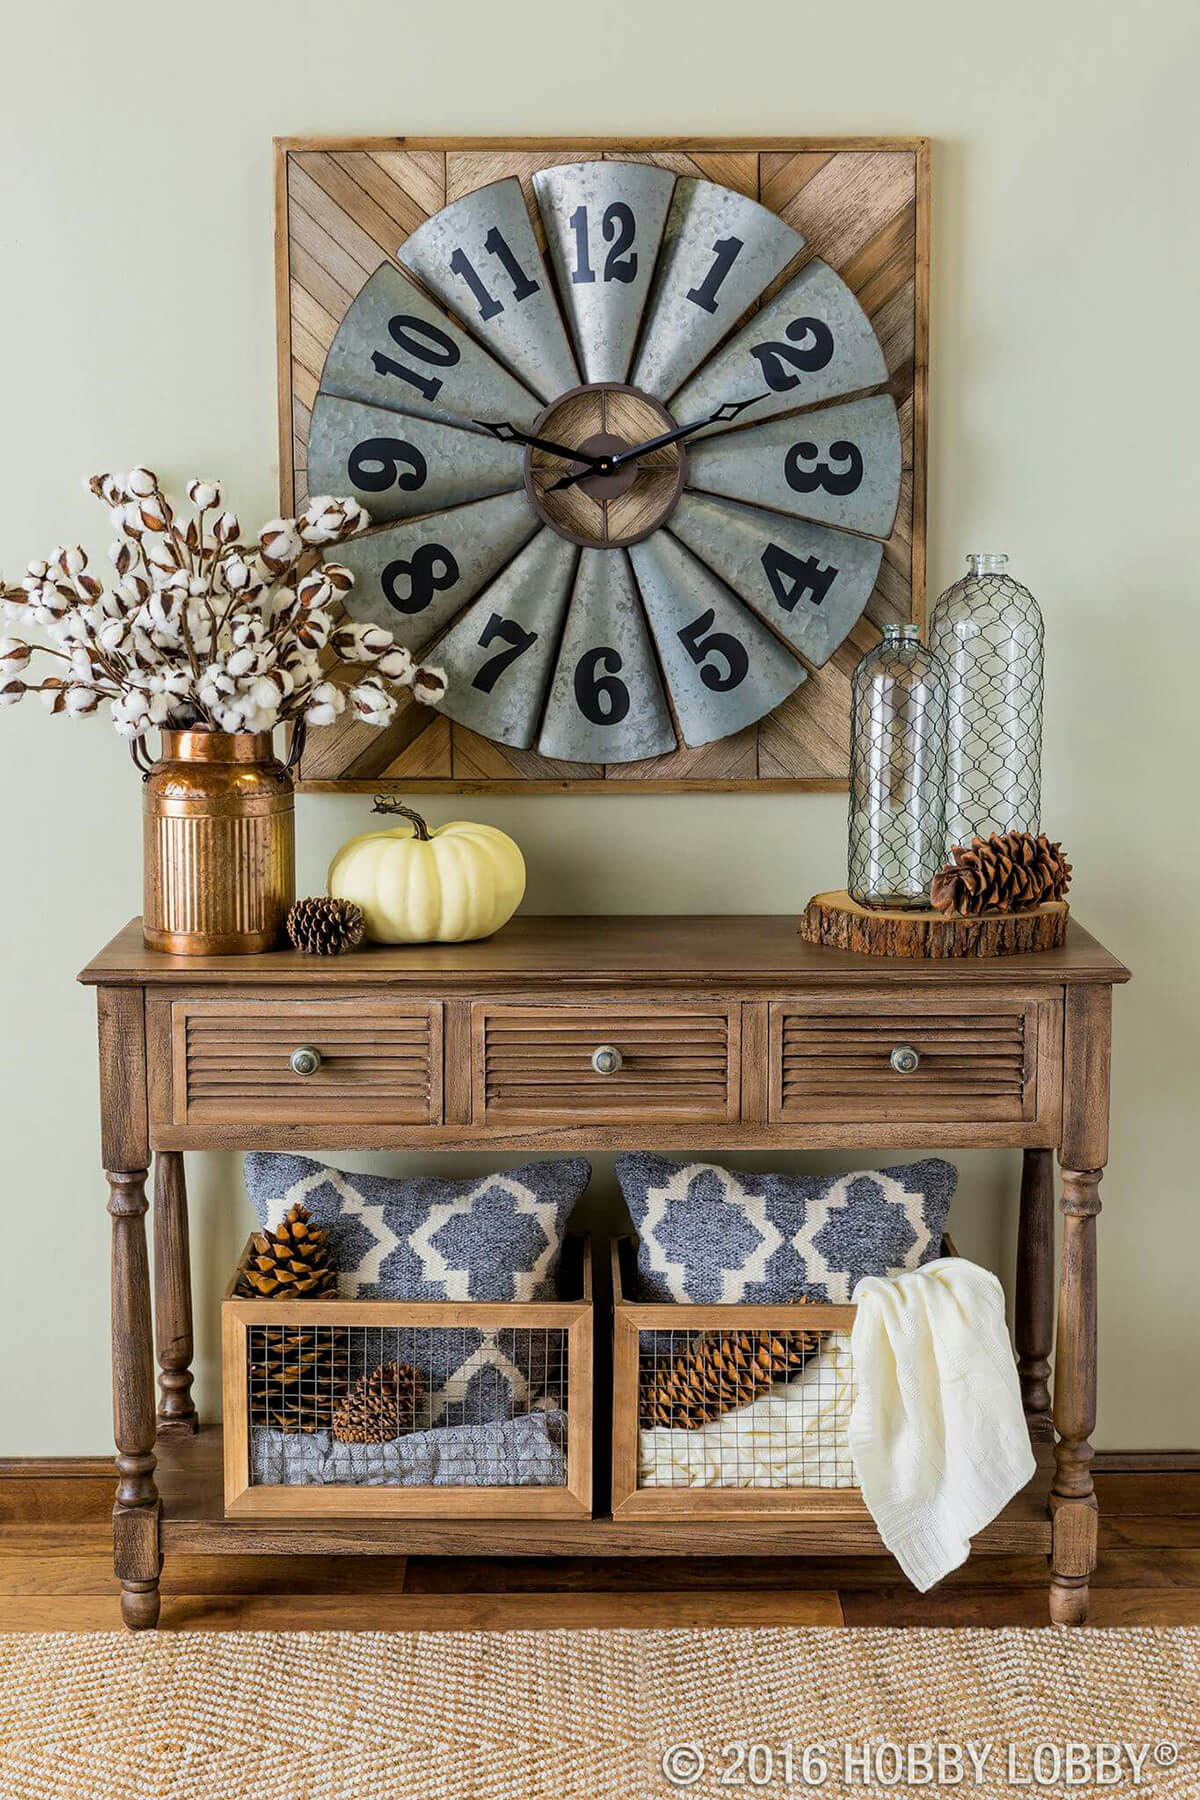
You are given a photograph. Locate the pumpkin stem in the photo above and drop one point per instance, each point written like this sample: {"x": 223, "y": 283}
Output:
{"x": 420, "y": 829}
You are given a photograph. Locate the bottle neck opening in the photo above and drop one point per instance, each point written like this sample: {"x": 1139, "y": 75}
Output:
{"x": 987, "y": 562}
{"x": 902, "y": 634}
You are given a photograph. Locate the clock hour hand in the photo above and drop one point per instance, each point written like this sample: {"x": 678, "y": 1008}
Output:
{"x": 512, "y": 434}
{"x": 723, "y": 416}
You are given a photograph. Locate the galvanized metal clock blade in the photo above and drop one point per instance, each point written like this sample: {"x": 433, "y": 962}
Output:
{"x": 839, "y": 465}
{"x": 606, "y": 699}
{"x": 396, "y": 348}
{"x": 500, "y": 656}
{"x": 481, "y": 259}
{"x": 723, "y": 668}
{"x": 808, "y": 582}
{"x": 399, "y": 466}
{"x": 604, "y": 224}
{"x": 813, "y": 343}
{"x": 720, "y": 250}
{"x": 416, "y": 578}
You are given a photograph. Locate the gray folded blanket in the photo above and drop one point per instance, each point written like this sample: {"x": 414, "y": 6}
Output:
{"x": 528, "y": 1451}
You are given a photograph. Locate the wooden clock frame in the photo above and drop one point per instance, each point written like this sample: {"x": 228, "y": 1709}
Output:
{"x": 343, "y": 206}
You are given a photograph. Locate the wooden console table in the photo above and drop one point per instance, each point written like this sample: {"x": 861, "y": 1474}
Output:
{"x": 723, "y": 1028}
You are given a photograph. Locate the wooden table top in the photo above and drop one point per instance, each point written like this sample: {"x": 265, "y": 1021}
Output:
{"x": 637, "y": 947}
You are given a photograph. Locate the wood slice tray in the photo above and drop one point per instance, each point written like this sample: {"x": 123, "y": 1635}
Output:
{"x": 837, "y": 922}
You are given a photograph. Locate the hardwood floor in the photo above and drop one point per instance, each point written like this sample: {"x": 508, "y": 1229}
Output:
{"x": 55, "y": 1575}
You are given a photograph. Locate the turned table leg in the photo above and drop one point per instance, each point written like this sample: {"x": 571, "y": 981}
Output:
{"x": 1035, "y": 1281}
{"x": 173, "y": 1294}
{"x": 135, "y": 1514}
{"x": 1072, "y": 1495}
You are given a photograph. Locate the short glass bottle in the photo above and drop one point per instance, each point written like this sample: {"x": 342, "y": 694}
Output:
{"x": 897, "y": 772}
{"x": 987, "y": 630}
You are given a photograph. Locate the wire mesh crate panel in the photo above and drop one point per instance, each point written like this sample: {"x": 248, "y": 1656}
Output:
{"x": 421, "y": 1408}
{"x": 762, "y": 1408}
{"x": 328, "y": 1390}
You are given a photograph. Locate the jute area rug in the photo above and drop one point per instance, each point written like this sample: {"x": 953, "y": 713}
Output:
{"x": 635, "y": 1715}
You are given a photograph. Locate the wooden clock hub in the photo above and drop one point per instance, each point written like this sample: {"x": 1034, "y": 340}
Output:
{"x": 606, "y": 510}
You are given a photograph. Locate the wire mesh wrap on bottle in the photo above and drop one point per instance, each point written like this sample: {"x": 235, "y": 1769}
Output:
{"x": 897, "y": 772}
{"x": 987, "y": 630}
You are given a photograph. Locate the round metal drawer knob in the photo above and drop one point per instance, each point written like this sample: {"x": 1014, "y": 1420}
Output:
{"x": 306, "y": 1060}
{"x": 606, "y": 1059}
{"x": 904, "y": 1059}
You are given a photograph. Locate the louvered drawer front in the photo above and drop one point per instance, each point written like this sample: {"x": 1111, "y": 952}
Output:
{"x": 555, "y": 1065}
{"x": 973, "y": 1060}
{"x": 348, "y": 1062}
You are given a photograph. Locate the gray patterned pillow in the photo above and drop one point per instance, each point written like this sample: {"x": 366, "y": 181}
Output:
{"x": 490, "y": 1237}
{"x": 722, "y": 1236}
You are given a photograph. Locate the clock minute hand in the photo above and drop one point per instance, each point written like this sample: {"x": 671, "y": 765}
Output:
{"x": 723, "y": 415}
{"x": 512, "y": 434}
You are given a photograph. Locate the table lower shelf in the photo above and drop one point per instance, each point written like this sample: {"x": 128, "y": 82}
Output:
{"x": 193, "y": 1521}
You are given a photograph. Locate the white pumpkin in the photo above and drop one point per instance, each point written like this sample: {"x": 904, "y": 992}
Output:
{"x": 417, "y": 886}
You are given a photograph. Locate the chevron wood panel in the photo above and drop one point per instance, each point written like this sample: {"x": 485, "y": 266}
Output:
{"x": 345, "y": 206}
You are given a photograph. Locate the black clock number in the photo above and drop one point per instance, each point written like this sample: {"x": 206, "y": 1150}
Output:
{"x": 383, "y": 462}
{"x": 791, "y": 576}
{"x": 600, "y": 694}
{"x": 725, "y": 253}
{"x": 781, "y": 364}
{"x": 516, "y": 640}
{"x": 410, "y": 586}
{"x": 496, "y": 244}
{"x": 701, "y": 642}
{"x": 424, "y": 341}
{"x": 619, "y": 227}
{"x": 821, "y": 475}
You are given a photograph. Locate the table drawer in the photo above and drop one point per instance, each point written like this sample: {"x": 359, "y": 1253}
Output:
{"x": 534, "y": 1064}
{"x": 377, "y": 1061}
{"x": 958, "y": 1057}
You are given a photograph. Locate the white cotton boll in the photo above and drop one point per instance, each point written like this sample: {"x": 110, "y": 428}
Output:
{"x": 204, "y": 495}
{"x": 227, "y": 528}
{"x": 241, "y": 662}
{"x": 11, "y": 690}
{"x": 71, "y": 559}
{"x": 142, "y": 482}
{"x": 326, "y": 703}
{"x": 131, "y": 519}
{"x": 81, "y": 701}
{"x": 429, "y": 685}
{"x": 279, "y": 544}
{"x": 339, "y": 577}
{"x": 313, "y": 629}
{"x": 249, "y": 632}
{"x": 37, "y": 570}
{"x": 115, "y": 635}
{"x": 161, "y": 553}
{"x": 314, "y": 589}
{"x": 121, "y": 556}
{"x": 13, "y": 654}
{"x": 235, "y": 573}
{"x": 373, "y": 704}
{"x": 266, "y": 692}
{"x": 396, "y": 665}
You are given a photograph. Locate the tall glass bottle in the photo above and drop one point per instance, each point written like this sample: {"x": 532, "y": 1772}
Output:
{"x": 987, "y": 629}
{"x": 897, "y": 772}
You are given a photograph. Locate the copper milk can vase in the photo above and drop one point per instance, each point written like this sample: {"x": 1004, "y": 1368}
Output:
{"x": 219, "y": 844}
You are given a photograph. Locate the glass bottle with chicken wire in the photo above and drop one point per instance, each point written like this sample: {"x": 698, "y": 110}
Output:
{"x": 987, "y": 630}
{"x": 897, "y": 771}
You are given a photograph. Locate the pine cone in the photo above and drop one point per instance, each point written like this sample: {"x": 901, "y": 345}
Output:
{"x": 290, "y": 1263}
{"x": 295, "y": 1375}
{"x": 323, "y": 927}
{"x": 722, "y": 1370}
{"x": 380, "y": 1406}
{"x": 1014, "y": 873}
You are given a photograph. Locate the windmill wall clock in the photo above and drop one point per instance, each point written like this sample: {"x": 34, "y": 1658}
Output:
{"x": 640, "y": 428}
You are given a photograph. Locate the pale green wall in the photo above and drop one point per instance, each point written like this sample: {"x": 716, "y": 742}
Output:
{"x": 136, "y": 317}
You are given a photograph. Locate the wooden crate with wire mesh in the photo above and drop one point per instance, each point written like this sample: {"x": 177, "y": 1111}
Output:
{"x": 417, "y": 1409}
{"x": 726, "y": 1411}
